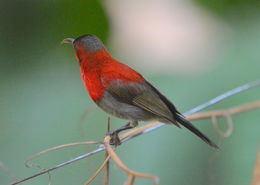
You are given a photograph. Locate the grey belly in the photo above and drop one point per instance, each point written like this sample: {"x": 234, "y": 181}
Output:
{"x": 124, "y": 111}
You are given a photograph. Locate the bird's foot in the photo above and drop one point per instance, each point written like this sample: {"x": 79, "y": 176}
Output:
{"x": 114, "y": 138}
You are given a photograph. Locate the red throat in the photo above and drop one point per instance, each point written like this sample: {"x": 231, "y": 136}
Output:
{"x": 90, "y": 66}
{"x": 98, "y": 69}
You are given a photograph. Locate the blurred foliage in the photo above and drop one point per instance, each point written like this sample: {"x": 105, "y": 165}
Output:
{"x": 43, "y": 102}
{"x": 39, "y": 23}
{"x": 235, "y": 9}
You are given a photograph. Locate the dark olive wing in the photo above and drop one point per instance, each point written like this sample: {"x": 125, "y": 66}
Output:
{"x": 143, "y": 96}
{"x": 152, "y": 103}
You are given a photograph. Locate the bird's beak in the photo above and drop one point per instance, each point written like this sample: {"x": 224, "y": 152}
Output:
{"x": 67, "y": 40}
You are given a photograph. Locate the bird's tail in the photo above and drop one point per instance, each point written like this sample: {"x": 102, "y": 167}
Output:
{"x": 180, "y": 119}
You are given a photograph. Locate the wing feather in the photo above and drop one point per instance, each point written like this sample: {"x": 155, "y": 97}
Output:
{"x": 142, "y": 96}
{"x": 153, "y": 104}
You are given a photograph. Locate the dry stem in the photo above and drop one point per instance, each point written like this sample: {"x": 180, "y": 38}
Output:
{"x": 132, "y": 174}
{"x": 256, "y": 175}
{"x": 222, "y": 113}
{"x": 56, "y": 148}
{"x": 106, "y": 175}
{"x": 98, "y": 171}
{"x": 107, "y": 172}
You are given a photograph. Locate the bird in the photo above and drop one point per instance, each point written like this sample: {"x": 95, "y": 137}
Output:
{"x": 121, "y": 91}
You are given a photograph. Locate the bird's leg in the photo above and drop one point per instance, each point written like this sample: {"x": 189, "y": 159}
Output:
{"x": 114, "y": 135}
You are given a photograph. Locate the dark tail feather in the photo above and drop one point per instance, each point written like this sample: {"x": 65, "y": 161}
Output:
{"x": 193, "y": 129}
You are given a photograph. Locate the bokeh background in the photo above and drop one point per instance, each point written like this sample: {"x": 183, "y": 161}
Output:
{"x": 191, "y": 50}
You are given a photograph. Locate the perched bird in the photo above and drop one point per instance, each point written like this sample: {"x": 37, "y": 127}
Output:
{"x": 121, "y": 91}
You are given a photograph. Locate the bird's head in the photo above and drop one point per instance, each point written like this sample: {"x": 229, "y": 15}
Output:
{"x": 88, "y": 43}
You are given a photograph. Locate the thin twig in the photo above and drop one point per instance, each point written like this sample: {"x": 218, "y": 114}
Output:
{"x": 230, "y": 111}
{"x": 130, "y": 180}
{"x": 224, "y": 96}
{"x": 60, "y": 165}
{"x": 227, "y": 114}
{"x": 123, "y": 166}
{"x": 53, "y": 149}
{"x": 149, "y": 129}
{"x": 40, "y": 168}
{"x": 98, "y": 171}
{"x": 229, "y": 129}
{"x": 106, "y": 174}
{"x": 256, "y": 175}
{"x": 56, "y": 148}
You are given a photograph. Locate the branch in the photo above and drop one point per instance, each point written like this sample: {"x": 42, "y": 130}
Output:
{"x": 256, "y": 175}
{"x": 98, "y": 171}
{"x": 227, "y": 114}
{"x": 221, "y": 113}
{"x": 107, "y": 171}
{"x": 148, "y": 128}
{"x": 57, "y": 148}
{"x": 224, "y": 96}
{"x": 131, "y": 174}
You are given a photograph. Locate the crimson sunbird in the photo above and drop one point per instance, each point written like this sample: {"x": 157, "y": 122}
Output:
{"x": 121, "y": 91}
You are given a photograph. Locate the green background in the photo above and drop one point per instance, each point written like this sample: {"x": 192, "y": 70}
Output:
{"x": 43, "y": 102}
